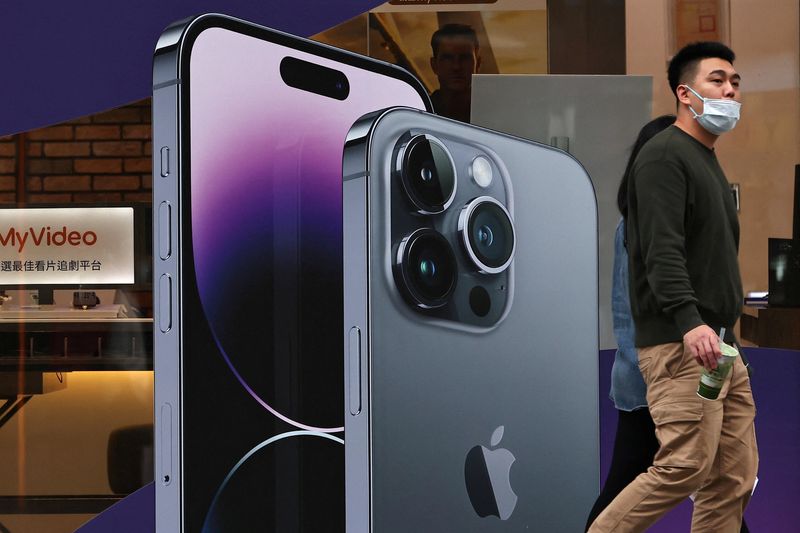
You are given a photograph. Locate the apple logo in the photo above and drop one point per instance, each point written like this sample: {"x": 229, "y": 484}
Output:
{"x": 487, "y": 475}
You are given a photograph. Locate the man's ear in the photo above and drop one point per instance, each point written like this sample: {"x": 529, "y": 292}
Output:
{"x": 435, "y": 66}
{"x": 682, "y": 92}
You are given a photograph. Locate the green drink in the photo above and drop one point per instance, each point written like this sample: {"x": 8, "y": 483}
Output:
{"x": 711, "y": 381}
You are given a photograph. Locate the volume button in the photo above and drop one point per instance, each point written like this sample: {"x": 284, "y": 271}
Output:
{"x": 165, "y": 303}
{"x": 354, "y": 370}
{"x": 165, "y": 230}
{"x": 164, "y": 161}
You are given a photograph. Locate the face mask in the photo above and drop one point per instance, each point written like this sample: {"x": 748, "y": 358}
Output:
{"x": 719, "y": 114}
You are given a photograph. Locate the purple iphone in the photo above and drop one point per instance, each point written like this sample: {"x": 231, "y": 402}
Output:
{"x": 249, "y": 125}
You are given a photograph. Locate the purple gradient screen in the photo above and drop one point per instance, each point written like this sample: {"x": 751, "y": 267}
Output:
{"x": 262, "y": 316}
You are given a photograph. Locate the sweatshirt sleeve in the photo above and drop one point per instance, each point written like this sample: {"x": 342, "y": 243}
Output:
{"x": 661, "y": 190}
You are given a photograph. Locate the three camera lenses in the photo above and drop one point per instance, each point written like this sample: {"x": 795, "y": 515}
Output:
{"x": 488, "y": 234}
{"x": 427, "y": 267}
{"x": 428, "y": 174}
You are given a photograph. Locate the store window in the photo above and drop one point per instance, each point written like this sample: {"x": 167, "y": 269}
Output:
{"x": 76, "y": 354}
{"x": 761, "y": 156}
{"x": 444, "y": 46}
{"x": 610, "y": 41}
{"x": 76, "y": 384}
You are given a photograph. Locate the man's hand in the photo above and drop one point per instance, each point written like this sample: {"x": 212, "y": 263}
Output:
{"x": 703, "y": 344}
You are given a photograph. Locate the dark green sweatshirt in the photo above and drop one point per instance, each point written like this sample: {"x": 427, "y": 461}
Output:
{"x": 683, "y": 241}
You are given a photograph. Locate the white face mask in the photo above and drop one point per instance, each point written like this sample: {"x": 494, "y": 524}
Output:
{"x": 719, "y": 114}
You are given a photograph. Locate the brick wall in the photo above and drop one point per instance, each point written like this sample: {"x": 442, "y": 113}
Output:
{"x": 102, "y": 158}
{"x": 8, "y": 169}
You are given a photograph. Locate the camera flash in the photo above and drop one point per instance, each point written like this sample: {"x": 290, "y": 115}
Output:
{"x": 481, "y": 171}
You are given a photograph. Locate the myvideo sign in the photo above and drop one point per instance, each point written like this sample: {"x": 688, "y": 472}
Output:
{"x": 66, "y": 246}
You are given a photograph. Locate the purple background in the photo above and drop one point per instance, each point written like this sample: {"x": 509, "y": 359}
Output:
{"x": 64, "y": 59}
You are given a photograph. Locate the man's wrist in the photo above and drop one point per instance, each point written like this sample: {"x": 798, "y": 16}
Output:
{"x": 687, "y": 317}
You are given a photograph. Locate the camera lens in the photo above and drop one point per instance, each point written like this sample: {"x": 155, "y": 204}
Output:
{"x": 426, "y": 268}
{"x": 484, "y": 236}
{"x": 428, "y": 174}
{"x": 488, "y": 234}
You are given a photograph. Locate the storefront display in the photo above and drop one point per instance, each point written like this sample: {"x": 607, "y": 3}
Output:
{"x": 77, "y": 241}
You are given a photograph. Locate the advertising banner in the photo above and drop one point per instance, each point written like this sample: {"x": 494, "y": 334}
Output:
{"x": 66, "y": 246}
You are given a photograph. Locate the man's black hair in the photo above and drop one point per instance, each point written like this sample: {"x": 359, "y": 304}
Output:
{"x": 683, "y": 65}
{"x": 453, "y": 30}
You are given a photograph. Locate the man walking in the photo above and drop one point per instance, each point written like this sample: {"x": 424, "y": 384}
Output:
{"x": 683, "y": 238}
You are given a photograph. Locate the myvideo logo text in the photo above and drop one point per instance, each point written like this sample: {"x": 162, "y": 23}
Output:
{"x": 47, "y": 237}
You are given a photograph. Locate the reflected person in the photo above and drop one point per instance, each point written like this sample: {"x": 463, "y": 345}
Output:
{"x": 456, "y": 57}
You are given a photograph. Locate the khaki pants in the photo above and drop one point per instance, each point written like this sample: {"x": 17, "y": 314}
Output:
{"x": 708, "y": 447}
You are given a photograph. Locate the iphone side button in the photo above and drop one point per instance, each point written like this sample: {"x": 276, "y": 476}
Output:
{"x": 354, "y": 370}
{"x": 165, "y": 303}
